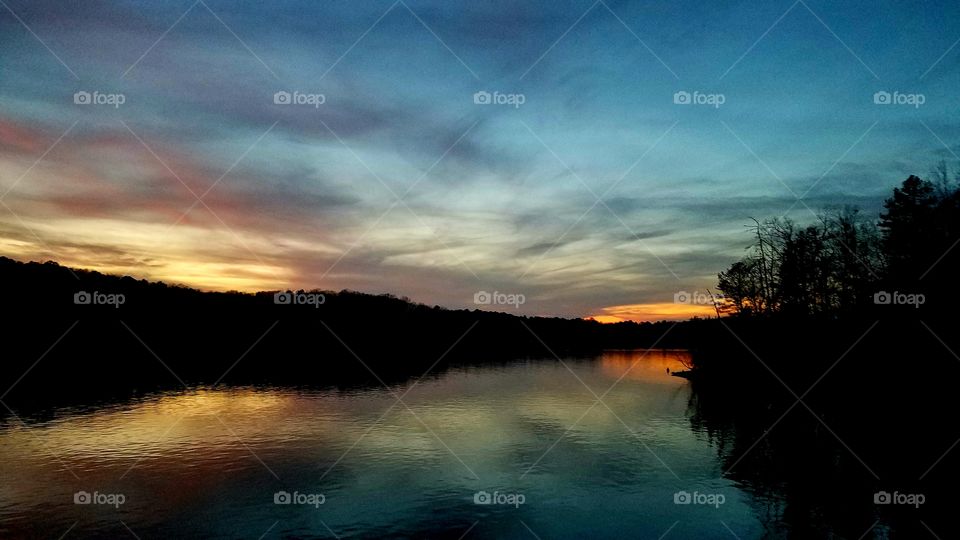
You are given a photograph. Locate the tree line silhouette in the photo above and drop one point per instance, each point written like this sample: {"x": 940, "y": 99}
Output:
{"x": 844, "y": 263}
{"x": 833, "y": 375}
{"x": 97, "y": 335}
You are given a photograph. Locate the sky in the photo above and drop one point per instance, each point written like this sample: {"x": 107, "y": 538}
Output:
{"x": 580, "y": 158}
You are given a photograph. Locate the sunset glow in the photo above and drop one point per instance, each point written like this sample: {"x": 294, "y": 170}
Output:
{"x": 598, "y": 195}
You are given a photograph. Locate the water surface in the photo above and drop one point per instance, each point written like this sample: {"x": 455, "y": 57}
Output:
{"x": 214, "y": 462}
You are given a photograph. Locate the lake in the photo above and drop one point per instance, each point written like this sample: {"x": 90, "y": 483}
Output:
{"x": 516, "y": 450}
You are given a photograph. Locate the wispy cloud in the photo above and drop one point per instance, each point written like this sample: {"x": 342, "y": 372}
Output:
{"x": 503, "y": 197}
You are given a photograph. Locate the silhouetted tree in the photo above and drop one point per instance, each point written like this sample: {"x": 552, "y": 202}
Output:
{"x": 907, "y": 226}
{"x": 836, "y": 265}
{"x": 740, "y": 285}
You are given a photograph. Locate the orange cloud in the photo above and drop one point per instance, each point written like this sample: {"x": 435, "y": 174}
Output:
{"x": 664, "y": 311}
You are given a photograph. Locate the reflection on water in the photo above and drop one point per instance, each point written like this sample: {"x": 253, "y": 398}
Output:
{"x": 208, "y": 462}
{"x": 647, "y": 366}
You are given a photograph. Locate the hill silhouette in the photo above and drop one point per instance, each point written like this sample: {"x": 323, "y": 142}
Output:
{"x": 97, "y": 333}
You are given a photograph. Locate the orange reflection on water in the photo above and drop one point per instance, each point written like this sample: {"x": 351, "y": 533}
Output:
{"x": 648, "y": 365}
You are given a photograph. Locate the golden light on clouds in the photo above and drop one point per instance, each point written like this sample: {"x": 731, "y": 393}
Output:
{"x": 664, "y": 311}
{"x": 208, "y": 259}
{"x": 102, "y": 201}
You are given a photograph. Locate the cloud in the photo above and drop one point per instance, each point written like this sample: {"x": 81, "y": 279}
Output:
{"x": 490, "y": 206}
{"x": 653, "y": 312}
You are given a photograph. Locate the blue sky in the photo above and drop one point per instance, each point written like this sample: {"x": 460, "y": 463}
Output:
{"x": 492, "y": 196}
